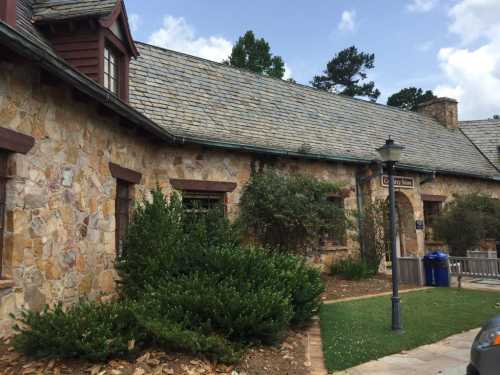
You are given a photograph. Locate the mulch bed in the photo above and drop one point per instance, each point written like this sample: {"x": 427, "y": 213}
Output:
{"x": 339, "y": 288}
{"x": 287, "y": 358}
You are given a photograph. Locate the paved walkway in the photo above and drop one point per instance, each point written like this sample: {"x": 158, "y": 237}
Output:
{"x": 447, "y": 357}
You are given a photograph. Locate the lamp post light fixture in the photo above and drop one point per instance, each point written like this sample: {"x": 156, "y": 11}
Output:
{"x": 390, "y": 154}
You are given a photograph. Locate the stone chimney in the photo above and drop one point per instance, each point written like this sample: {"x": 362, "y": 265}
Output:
{"x": 8, "y": 11}
{"x": 444, "y": 110}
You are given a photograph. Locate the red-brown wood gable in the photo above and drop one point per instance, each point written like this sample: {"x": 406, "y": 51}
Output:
{"x": 119, "y": 14}
{"x": 80, "y": 49}
{"x": 81, "y": 43}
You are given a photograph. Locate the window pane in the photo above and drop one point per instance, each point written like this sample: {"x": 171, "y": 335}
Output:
{"x": 431, "y": 211}
{"x": 111, "y": 71}
{"x": 122, "y": 213}
{"x": 114, "y": 87}
{"x": 202, "y": 201}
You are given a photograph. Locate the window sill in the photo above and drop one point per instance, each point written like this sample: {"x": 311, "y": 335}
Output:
{"x": 6, "y": 284}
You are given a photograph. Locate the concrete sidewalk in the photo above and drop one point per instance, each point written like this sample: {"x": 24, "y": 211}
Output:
{"x": 447, "y": 357}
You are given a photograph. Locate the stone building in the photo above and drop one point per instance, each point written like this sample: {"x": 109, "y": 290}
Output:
{"x": 90, "y": 120}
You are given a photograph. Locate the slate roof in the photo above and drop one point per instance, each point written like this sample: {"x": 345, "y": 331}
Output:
{"x": 486, "y": 136}
{"x": 25, "y": 25}
{"x": 213, "y": 104}
{"x": 192, "y": 97}
{"x": 51, "y": 10}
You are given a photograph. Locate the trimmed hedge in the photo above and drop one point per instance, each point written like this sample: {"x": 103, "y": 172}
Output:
{"x": 186, "y": 284}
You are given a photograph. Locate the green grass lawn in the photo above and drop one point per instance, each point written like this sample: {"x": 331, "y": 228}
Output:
{"x": 359, "y": 331}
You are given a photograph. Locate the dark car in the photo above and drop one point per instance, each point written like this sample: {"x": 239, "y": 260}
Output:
{"x": 485, "y": 354}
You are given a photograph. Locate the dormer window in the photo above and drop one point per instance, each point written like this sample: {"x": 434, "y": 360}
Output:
{"x": 111, "y": 70}
{"x": 92, "y": 36}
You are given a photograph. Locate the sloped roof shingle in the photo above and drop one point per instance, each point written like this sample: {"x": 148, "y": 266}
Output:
{"x": 50, "y": 10}
{"x": 192, "y": 97}
{"x": 211, "y": 103}
{"x": 25, "y": 25}
{"x": 485, "y": 134}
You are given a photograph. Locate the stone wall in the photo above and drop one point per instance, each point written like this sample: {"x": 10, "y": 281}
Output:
{"x": 445, "y": 186}
{"x": 60, "y": 240}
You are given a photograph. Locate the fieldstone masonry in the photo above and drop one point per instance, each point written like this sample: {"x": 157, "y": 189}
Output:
{"x": 60, "y": 224}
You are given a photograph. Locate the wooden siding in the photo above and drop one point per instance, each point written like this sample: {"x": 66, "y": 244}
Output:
{"x": 81, "y": 50}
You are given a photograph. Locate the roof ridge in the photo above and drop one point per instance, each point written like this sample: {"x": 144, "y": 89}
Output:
{"x": 489, "y": 121}
{"x": 297, "y": 84}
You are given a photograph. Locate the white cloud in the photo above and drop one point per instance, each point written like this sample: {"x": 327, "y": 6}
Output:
{"x": 421, "y": 6}
{"x": 288, "y": 72}
{"x": 178, "y": 35}
{"x": 473, "y": 73}
{"x": 473, "y": 19}
{"x": 135, "y": 21}
{"x": 347, "y": 21}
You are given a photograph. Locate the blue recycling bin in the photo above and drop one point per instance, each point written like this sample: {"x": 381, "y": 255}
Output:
{"x": 441, "y": 269}
{"x": 429, "y": 269}
{"x": 436, "y": 269}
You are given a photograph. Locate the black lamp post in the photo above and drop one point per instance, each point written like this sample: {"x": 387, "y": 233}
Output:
{"x": 391, "y": 154}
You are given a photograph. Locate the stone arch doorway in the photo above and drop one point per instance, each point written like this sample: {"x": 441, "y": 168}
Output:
{"x": 405, "y": 226}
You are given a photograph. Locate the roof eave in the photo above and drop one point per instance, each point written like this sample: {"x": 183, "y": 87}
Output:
{"x": 60, "y": 69}
{"x": 270, "y": 151}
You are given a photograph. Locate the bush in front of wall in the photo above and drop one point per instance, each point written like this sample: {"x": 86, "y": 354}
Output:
{"x": 466, "y": 221}
{"x": 186, "y": 284}
{"x": 291, "y": 212}
{"x": 88, "y": 330}
{"x": 353, "y": 269}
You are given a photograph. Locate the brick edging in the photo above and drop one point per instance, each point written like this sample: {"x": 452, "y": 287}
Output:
{"x": 314, "y": 351}
{"x": 330, "y": 302}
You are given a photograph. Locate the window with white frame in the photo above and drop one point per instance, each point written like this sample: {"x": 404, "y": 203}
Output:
{"x": 111, "y": 70}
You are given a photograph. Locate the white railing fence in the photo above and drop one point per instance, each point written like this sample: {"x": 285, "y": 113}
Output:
{"x": 487, "y": 268}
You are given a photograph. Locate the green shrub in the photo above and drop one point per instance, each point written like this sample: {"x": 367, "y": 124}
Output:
{"x": 353, "y": 269}
{"x": 190, "y": 286}
{"x": 466, "y": 221}
{"x": 230, "y": 307}
{"x": 91, "y": 331}
{"x": 291, "y": 212}
{"x": 173, "y": 336}
{"x": 164, "y": 240}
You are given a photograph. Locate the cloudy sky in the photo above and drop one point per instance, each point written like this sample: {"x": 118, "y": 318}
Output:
{"x": 449, "y": 46}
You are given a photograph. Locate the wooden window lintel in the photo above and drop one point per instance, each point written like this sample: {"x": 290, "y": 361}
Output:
{"x": 13, "y": 141}
{"x": 125, "y": 174}
{"x": 203, "y": 186}
{"x": 433, "y": 198}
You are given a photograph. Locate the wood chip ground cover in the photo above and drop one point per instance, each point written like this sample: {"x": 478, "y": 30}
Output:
{"x": 288, "y": 358}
